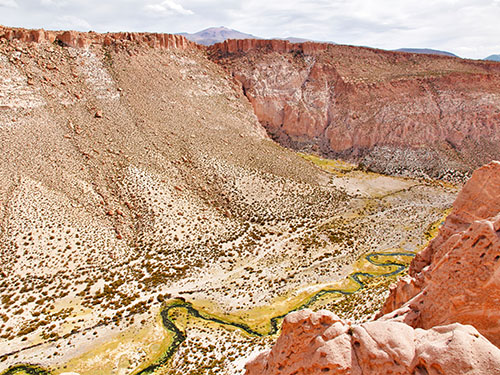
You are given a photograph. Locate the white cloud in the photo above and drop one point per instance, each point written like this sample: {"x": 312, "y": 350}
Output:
{"x": 68, "y": 22}
{"x": 53, "y": 3}
{"x": 168, "y": 7}
{"x": 466, "y": 27}
{"x": 8, "y": 3}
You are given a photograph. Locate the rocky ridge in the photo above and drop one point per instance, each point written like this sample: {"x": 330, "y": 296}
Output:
{"x": 266, "y": 45}
{"x": 394, "y": 112}
{"x": 460, "y": 267}
{"x": 436, "y": 321}
{"x": 349, "y": 102}
{"x": 78, "y": 39}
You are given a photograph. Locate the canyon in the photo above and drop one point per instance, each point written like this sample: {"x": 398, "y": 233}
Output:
{"x": 150, "y": 223}
{"x": 393, "y": 112}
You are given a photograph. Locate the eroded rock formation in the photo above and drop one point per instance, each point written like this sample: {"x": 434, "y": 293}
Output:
{"x": 455, "y": 279}
{"x": 84, "y": 40}
{"x": 394, "y": 112}
{"x": 478, "y": 200}
{"x": 321, "y": 343}
{"x": 437, "y": 320}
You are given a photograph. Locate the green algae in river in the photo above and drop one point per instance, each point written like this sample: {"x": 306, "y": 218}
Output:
{"x": 357, "y": 277}
{"x": 26, "y": 370}
{"x": 352, "y": 284}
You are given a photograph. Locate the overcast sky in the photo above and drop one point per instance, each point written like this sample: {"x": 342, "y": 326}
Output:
{"x": 468, "y": 28}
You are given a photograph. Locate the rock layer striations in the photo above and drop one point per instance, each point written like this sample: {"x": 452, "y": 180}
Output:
{"x": 395, "y": 112}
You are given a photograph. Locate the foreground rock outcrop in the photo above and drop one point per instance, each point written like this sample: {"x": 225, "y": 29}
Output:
{"x": 394, "y": 112}
{"x": 321, "y": 343}
{"x": 455, "y": 279}
{"x": 441, "y": 319}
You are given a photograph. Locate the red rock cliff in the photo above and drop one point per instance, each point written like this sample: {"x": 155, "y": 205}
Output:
{"x": 273, "y": 45}
{"x": 455, "y": 279}
{"x": 83, "y": 40}
{"x": 395, "y": 112}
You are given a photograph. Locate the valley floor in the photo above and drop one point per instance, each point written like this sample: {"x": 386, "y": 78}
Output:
{"x": 264, "y": 269}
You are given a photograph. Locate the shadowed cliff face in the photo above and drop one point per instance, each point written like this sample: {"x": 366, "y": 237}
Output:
{"x": 393, "y": 112}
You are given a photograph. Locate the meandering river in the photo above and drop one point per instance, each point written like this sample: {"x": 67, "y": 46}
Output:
{"x": 179, "y": 336}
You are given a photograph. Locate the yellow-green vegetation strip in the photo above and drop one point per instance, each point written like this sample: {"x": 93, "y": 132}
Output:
{"x": 357, "y": 282}
{"x": 372, "y": 276}
{"x": 337, "y": 167}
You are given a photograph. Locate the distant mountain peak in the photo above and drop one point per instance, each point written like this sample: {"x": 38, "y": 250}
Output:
{"x": 427, "y": 51}
{"x": 493, "y": 58}
{"x": 219, "y": 34}
{"x": 214, "y": 35}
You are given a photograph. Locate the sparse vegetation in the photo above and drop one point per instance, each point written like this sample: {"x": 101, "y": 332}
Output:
{"x": 171, "y": 191}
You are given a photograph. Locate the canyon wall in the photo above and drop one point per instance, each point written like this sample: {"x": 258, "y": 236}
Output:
{"x": 394, "y": 112}
{"x": 441, "y": 319}
{"x": 78, "y": 39}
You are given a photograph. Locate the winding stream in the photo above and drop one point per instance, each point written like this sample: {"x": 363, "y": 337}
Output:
{"x": 179, "y": 336}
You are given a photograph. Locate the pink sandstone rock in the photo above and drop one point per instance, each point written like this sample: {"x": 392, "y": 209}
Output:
{"x": 457, "y": 277}
{"x": 479, "y": 199}
{"x": 443, "y": 318}
{"x": 321, "y": 343}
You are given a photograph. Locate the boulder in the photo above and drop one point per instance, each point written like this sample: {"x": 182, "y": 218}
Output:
{"x": 321, "y": 343}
